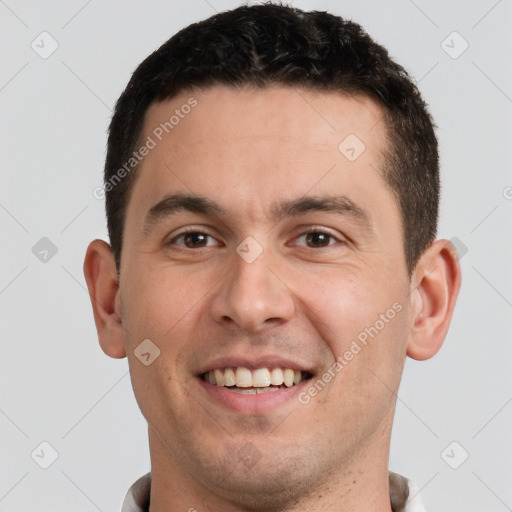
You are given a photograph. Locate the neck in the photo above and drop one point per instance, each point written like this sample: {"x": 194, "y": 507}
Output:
{"x": 360, "y": 483}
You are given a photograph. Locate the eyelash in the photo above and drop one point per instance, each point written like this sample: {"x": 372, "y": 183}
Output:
{"x": 309, "y": 231}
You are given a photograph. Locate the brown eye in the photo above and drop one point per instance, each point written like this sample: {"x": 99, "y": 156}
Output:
{"x": 193, "y": 240}
{"x": 318, "y": 239}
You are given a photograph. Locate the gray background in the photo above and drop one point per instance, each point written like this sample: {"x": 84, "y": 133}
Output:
{"x": 58, "y": 387}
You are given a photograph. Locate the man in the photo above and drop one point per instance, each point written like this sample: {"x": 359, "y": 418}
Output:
{"x": 272, "y": 194}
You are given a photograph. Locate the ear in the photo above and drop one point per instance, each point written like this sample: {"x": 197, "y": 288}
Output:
{"x": 436, "y": 281}
{"x": 103, "y": 284}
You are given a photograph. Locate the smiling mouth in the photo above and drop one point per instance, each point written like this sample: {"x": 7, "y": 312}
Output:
{"x": 260, "y": 380}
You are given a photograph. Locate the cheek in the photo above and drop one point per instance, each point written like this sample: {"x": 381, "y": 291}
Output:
{"x": 159, "y": 335}
{"x": 364, "y": 325}
{"x": 161, "y": 301}
{"x": 339, "y": 304}
{"x": 162, "y": 305}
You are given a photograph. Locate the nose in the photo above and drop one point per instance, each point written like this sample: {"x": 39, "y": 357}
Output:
{"x": 252, "y": 296}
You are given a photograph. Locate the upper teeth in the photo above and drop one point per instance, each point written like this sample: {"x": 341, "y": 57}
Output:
{"x": 258, "y": 378}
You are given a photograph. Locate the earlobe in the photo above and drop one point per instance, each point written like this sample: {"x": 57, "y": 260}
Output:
{"x": 103, "y": 284}
{"x": 437, "y": 277}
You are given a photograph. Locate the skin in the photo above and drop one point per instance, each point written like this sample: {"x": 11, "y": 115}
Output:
{"x": 249, "y": 150}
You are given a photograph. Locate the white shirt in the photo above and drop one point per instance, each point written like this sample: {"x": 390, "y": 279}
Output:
{"x": 137, "y": 498}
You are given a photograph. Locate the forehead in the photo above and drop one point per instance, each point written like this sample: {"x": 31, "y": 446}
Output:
{"x": 250, "y": 148}
{"x": 221, "y": 112}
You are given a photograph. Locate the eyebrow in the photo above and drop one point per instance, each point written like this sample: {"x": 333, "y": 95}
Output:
{"x": 174, "y": 203}
{"x": 338, "y": 204}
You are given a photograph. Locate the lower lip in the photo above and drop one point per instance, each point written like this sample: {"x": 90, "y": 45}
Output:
{"x": 251, "y": 403}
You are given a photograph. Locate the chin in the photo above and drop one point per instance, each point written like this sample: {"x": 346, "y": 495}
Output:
{"x": 262, "y": 490}
{"x": 257, "y": 481}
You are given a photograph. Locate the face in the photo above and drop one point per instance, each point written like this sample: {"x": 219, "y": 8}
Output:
{"x": 257, "y": 249}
